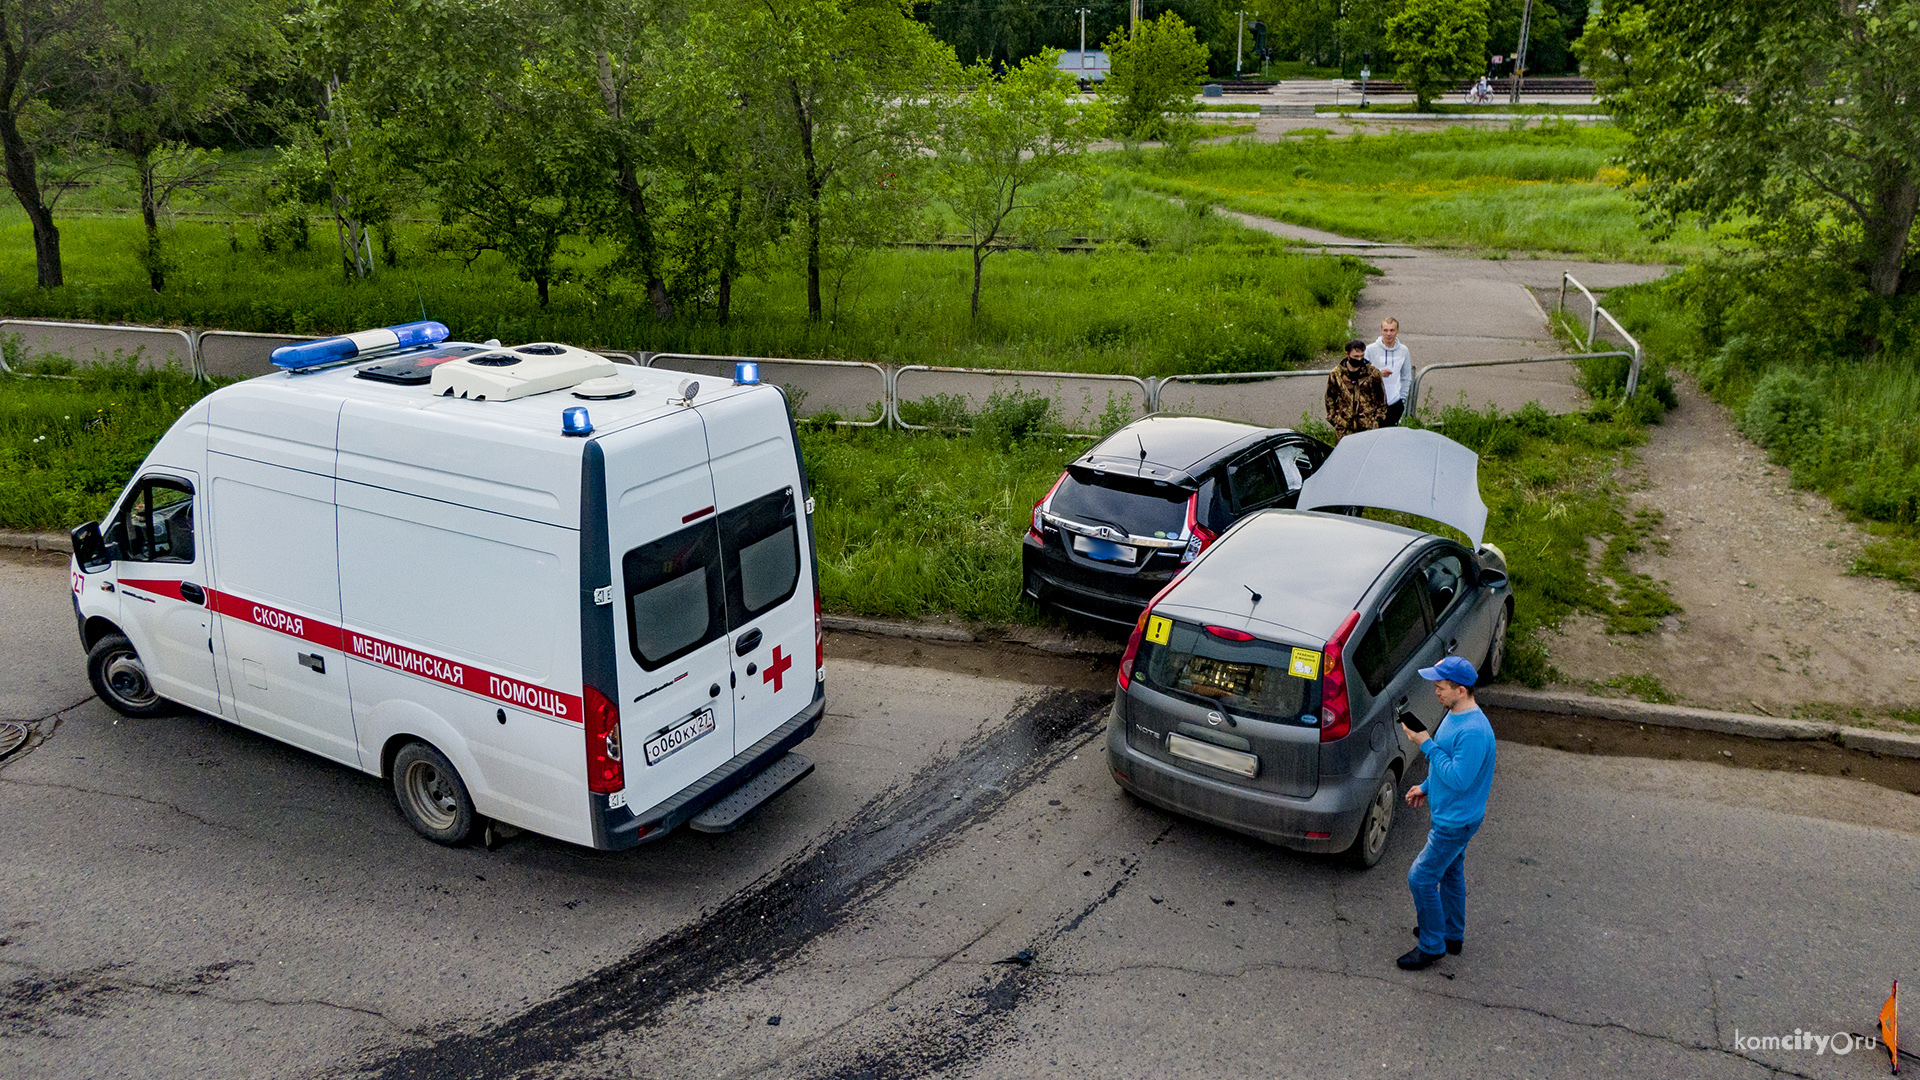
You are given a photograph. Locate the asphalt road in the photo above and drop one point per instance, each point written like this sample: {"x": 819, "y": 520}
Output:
{"x": 959, "y": 889}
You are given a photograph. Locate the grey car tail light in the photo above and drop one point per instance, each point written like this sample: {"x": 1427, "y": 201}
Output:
{"x": 1336, "y": 714}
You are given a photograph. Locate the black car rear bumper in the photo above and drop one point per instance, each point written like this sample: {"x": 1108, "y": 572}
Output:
{"x": 1050, "y": 577}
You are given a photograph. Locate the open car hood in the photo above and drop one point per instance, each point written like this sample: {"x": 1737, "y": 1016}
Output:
{"x": 1405, "y": 469}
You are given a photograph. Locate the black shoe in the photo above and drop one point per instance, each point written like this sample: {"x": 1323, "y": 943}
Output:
{"x": 1454, "y": 945}
{"x": 1418, "y": 961}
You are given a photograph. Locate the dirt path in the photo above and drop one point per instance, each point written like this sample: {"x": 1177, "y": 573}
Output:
{"x": 1771, "y": 619}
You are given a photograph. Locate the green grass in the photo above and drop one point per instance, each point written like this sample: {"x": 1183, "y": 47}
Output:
{"x": 1215, "y": 107}
{"x": 1551, "y": 108}
{"x": 1550, "y": 188}
{"x": 1205, "y": 294}
{"x": 67, "y": 446}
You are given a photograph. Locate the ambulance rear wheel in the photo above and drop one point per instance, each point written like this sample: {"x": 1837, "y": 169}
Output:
{"x": 118, "y": 676}
{"x": 432, "y": 796}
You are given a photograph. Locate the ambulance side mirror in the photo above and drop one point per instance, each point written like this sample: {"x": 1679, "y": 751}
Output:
{"x": 89, "y": 548}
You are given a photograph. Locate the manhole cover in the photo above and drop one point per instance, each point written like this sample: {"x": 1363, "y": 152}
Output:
{"x": 11, "y": 736}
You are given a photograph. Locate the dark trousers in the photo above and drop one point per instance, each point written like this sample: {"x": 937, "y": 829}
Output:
{"x": 1394, "y": 412}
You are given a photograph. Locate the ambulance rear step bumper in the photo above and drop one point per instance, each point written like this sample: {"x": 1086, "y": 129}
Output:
{"x": 731, "y": 812}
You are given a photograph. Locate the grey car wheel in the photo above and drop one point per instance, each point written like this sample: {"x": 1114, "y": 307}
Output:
{"x": 1496, "y": 649}
{"x": 431, "y": 794}
{"x": 120, "y": 678}
{"x": 1377, "y": 826}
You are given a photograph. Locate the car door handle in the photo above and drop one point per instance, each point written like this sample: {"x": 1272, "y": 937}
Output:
{"x": 1401, "y": 705}
{"x": 313, "y": 661}
{"x": 747, "y": 642}
{"x": 1453, "y": 646}
{"x": 192, "y": 594}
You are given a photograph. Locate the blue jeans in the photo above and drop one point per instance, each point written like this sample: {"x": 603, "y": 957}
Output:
{"x": 1438, "y": 879}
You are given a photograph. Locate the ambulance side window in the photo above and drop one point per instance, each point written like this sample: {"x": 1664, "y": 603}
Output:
{"x": 157, "y": 523}
{"x": 761, "y": 539}
{"x": 675, "y": 601}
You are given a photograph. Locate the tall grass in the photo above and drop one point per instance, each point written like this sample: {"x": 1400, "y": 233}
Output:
{"x": 1547, "y": 189}
{"x": 1205, "y": 295}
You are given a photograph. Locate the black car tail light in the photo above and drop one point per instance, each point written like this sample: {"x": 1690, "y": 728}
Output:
{"x": 1198, "y": 535}
{"x": 1037, "y": 530}
{"x": 1336, "y": 717}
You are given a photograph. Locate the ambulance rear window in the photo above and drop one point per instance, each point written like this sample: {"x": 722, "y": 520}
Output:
{"x": 675, "y": 602}
{"x": 762, "y": 539}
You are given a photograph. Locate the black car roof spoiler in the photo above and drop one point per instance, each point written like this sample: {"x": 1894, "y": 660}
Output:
{"x": 1089, "y": 469}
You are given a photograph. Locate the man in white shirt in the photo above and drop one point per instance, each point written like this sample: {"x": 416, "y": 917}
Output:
{"x": 1396, "y": 369}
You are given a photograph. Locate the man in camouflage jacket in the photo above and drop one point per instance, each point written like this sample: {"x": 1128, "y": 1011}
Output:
{"x": 1356, "y": 398}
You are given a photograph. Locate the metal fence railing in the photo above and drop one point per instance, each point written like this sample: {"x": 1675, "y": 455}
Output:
{"x": 857, "y": 393}
{"x": 1561, "y": 383}
{"x": 1267, "y": 398}
{"x": 1099, "y": 395}
{"x": 1595, "y": 313}
{"x": 861, "y": 394}
{"x": 87, "y": 344}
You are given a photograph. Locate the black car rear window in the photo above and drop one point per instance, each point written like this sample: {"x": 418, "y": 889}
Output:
{"x": 1135, "y": 510}
{"x": 1260, "y": 679}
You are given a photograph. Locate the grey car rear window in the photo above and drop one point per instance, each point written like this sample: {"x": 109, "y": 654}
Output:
{"x": 1246, "y": 678}
{"x": 1135, "y": 510}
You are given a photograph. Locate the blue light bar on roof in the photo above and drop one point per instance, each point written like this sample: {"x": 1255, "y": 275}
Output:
{"x": 333, "y": 350}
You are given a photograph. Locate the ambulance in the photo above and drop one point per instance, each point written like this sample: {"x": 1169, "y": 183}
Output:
{"x": 535, "y": 589}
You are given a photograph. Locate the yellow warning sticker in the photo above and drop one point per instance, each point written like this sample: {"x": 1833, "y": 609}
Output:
{"x": 1305, "y": 664}
{"x": 1158, "y": 629}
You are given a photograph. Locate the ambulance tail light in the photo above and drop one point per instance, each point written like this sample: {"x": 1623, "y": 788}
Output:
{"x": 1336, "y": 717}
{"x": 605, "y": 773}
{"x": 819, "y": 639}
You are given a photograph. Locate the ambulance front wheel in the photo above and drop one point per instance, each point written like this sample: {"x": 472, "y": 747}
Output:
{"x": 432, "y": 796}
{"x": 118, "y": 676}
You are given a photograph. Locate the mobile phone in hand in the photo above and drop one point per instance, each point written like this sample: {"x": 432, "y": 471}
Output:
{"x": 1412, "y": 721}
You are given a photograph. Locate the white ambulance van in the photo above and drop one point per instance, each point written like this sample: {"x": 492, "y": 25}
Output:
{"x": 537, "y": 589}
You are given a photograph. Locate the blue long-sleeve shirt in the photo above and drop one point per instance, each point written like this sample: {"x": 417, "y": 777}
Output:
{"x": 1460, "y": 768}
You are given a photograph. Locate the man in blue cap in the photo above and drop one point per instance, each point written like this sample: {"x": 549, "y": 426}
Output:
{"x": 1459, "y": 776}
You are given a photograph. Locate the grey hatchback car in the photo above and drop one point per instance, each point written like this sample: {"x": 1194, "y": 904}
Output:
{"x": 1260, "y": 690}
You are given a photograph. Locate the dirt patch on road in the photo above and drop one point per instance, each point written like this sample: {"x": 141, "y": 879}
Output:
{"x": 1771, "y": 620}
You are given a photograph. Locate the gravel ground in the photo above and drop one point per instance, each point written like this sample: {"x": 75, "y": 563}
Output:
{"x": 1771, "y": 620}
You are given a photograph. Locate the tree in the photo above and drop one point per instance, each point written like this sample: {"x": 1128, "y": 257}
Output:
{"x": 1802, "y": 116}
{"x": 1155, "y": 72}
{"x": 1437, "y": 42}
{"x": 1001, "y": 144}
{"x": 854, "y": 84}
{"x": 159, "y": 70}
{"x": 40, "y": 41}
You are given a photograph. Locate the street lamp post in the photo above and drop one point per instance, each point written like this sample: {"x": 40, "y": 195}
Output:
{"x": 1239, "y": 40}
{"x": 1083, "y": 44}
{"x": 1520, "y": 55}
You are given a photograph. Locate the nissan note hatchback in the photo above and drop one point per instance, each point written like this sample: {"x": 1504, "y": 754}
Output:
{"x": 1261, "y": 689}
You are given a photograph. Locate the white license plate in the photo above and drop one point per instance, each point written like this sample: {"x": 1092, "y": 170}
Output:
{"x": 663, "y": 745}
{"x": 1217, "y": 756}
{"x": 1105, "y": 550}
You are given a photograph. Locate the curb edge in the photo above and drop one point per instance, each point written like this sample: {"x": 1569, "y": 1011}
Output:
{"x": 1891, "y": 743}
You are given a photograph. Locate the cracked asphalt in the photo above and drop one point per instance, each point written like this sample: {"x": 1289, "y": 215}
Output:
{"x": 959, "y": 890}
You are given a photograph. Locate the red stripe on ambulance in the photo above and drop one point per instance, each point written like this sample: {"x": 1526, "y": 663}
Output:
{"x": 389, "y": 654}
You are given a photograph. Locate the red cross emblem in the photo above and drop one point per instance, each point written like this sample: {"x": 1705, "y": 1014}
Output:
{"x": 781, "y": 662}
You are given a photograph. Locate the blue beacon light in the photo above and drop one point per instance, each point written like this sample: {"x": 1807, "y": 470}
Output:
{"x": 746, "y": 373}
{"x": 574, "y": 421}
{"x": 333, "y": 350}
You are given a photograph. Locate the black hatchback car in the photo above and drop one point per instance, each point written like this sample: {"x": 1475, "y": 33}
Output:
{"x": 1137, "y": 508}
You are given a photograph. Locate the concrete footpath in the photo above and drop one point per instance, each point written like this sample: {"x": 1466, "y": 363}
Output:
{"x": 1459, "y": 307}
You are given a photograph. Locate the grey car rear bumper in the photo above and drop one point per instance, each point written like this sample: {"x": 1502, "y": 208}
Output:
{"x": 1337, "y": 807}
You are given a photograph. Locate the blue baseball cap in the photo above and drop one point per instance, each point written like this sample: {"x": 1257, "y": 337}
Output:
{"x": 1454, "y": 669}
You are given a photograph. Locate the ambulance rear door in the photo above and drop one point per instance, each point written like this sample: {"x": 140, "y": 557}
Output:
{"x": 766, "y": 549}
{"x": 669, "y": 598}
